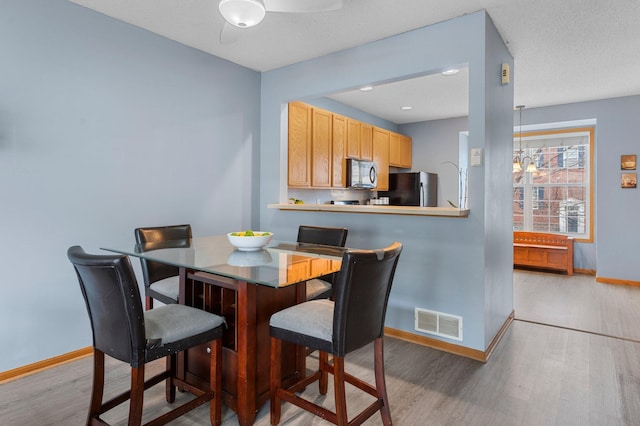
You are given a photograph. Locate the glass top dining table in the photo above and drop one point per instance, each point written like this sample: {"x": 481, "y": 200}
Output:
{"x": 273, "y": 266}
{"x": 246, "y": 287}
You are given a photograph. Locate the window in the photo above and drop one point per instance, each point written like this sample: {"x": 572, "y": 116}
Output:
{"x": 558, "y": 197}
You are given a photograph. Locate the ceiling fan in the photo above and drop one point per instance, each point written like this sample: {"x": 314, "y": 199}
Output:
{"x": 243, "y": 14}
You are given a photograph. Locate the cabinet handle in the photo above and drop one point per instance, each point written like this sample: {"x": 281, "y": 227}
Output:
{"x": 208, "y": 350}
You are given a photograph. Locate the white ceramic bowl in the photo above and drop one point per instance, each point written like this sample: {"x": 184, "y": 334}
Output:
{"x": 256, "y": 242}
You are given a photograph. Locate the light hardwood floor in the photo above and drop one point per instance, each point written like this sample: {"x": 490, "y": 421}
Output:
{"x": 577, "y": 302}
{"x": 538, "y": 375}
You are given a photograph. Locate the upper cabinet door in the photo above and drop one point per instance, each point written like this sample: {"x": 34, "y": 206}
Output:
{"x": 406, "y": 152}
{"x": 394, "y": 149}
{"x": 321, "y": 158}
{"x": 299, "y": 151}
{"x": 381, "y": 157}
{"x": 339, "y": 146}
{"x": 399, "y": 150}
{"x": 366, "y": 142}
{"x": 353, "y": 138}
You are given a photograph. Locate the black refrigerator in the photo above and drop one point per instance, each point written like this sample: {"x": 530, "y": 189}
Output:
{"x": 412, "y": 189}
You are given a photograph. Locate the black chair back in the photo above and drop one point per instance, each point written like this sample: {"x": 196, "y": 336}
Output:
{"x": 174, "y": 236}
{"x": 361, "y": 293}
{"x": 322, "y": 235}
{"x": 113, "y": 302}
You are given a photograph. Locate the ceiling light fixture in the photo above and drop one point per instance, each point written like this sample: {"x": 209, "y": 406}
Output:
{"x": 242, "y": 13}
{"x": 450, "y": 71}
{"x": 518, "y": 160}
{"x": 406, "y": 108}
{"x": 366, "y": 88}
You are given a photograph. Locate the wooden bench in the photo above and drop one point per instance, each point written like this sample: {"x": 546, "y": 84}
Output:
{"x": 541, "y": 250}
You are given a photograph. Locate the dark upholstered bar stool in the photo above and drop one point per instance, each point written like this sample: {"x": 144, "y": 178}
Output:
{"x": 321, "y": 288}
{"x": 354, "y": 319}
{"x": 161, "y": 280}
{"x": 124, "y": 331}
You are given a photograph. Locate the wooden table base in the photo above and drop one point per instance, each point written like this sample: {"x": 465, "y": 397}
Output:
{"x": 247, "y": 309}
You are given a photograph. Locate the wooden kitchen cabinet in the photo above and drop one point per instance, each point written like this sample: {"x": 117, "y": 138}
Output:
{"x": 381, "y": 157}
{"x": 399, "y": 150}
{"x": 406, "y": 152}
{"x": 353, "y": 139}
{"x": 338, "y": 148}
{"x": 320, "y": 142}
{"x": 321, "y": 158}
{"x": 394, "y": 148}
{"x": 366, "y": 142}
{"x": 299, "y": 150}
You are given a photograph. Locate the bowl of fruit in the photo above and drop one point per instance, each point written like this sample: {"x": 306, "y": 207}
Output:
{"x": 249, "y": 240}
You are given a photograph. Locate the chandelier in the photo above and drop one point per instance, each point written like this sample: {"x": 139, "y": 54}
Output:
{"x": 519, "y": 161}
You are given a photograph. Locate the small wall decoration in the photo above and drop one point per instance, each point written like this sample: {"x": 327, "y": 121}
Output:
{"x": 627, "y": 162}
{"x": 628, "y": 180}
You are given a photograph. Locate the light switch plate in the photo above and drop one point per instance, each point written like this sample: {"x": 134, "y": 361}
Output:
{"x": 476, "y": 157}
{"x": 506, "y": 74}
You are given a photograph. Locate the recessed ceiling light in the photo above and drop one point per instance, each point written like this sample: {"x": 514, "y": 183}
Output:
{"x": 451, "y": 71}
{"x": 406, "y": 108}
{"x": 366, "y": 88}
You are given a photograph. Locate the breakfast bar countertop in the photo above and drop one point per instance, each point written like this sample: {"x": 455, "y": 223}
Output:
{"x": 375, "y": 209}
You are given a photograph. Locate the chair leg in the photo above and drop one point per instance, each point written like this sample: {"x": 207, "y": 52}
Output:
{"x": 340, "y": 416}
{"x": 340, "y": 393}
{"x": 149, "y": 302}
{"x": 381, "y": 386}
{"x": 323, "y": 382}
{"x": 215, "y": 383}
{"x": 137, "y": 396}
{"x": 172, "y": 367}
{"x": 276, "y": 377}
{"x": 98, "y": 386}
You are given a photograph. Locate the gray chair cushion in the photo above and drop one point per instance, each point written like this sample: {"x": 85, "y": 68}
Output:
{"x": 318, "y": 288}
{"x": 168, "y": 287}
{"x": 172, "y": 323}
{"x": 313, "y": 318}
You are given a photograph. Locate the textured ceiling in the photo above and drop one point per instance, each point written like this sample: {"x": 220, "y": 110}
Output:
{"x": 564, "y": 50}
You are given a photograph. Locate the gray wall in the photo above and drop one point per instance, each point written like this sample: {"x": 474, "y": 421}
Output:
{"x": 105, "y": 127}
{"x": 434, "y": 144}
{"x": 445, "y": 265}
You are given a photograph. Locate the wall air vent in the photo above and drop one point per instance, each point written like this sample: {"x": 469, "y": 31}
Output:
{"x": 438, "y": 323}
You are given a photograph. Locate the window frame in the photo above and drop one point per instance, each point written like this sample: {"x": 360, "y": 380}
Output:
{"x": 590, "y": 130}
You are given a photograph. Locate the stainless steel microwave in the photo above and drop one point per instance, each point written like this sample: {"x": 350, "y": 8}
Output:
{"x": 362, "y": 174}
